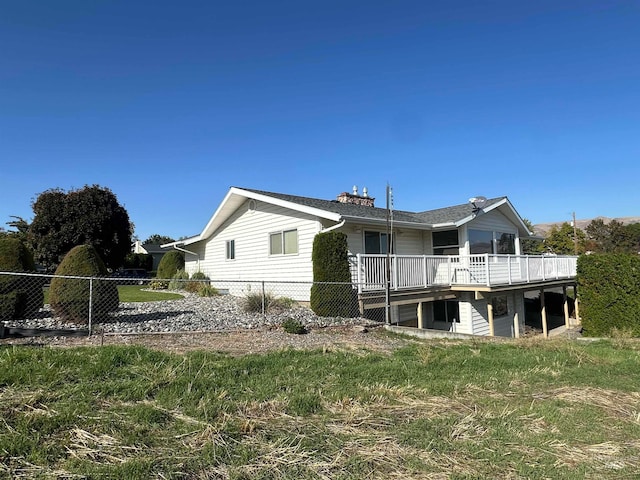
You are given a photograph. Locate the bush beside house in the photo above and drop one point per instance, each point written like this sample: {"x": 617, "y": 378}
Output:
{"x": 609, "y": 289}
{"x": 171, "y": 262}
{"x": 331, "y": 264}
{"x": 69, "y": 297}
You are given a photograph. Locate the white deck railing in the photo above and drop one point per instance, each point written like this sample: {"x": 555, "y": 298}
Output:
{"x": 423, "y": 271}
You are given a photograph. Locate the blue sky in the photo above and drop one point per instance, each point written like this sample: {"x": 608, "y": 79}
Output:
{"x": 169, "y": 104}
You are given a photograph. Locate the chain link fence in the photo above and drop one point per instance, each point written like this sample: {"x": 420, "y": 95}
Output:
{"x": 86, "y": 305}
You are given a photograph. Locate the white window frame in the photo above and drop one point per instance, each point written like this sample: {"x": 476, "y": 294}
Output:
{"x": 230, "y": 249}
{"x": 283, "y": 244}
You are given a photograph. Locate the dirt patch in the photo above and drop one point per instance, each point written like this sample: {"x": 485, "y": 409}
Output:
{"x": 237, "y": 342}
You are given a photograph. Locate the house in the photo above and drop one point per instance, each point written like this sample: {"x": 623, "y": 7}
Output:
{"x": 456, "y": 268}
{"x": 156, "y": 252}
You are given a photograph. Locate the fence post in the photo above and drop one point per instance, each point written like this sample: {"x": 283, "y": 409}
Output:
{"x": 359, "y": 272}
{"x": 90, "y": 302}
{"x": 263, "y": 299}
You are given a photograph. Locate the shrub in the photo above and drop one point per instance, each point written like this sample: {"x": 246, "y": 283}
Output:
{"x": 20, "y": 296}
{"x": 69, "y": 297}
{"x": 291, "y": 325}
{"x": 178, "y": 280}
{"x": 170, "y": 263}
{"x": 207, "y": 291}
{"x": 158, "y": 285}
{"x": 139, "y": 260}
{"x": 609, "y": 292}
{"x": 252, "y": 302}
{"x": 332, "y": 294}
{"x": 198, "y": 280}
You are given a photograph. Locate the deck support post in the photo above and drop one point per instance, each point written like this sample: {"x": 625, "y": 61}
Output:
{"x": 543, "y": 314}
{"x": 516, "y": 324}
{"x": 490, "y": 315}
{"x": 420, "y": 316}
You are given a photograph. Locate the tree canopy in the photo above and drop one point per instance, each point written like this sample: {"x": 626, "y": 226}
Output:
{"x": 90, "y": 215}
{"x": 612, "y": 237}
{"x": 157, "y": 239}
{"x": 560, "y": 240}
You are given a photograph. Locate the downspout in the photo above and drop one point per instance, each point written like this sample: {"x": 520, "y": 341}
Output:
{"x": 335, "y": 227}
{"x": 187, "y": 251}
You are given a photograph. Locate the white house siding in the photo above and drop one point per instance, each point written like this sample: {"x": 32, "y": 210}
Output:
{"x": 408, "y": 242}
{"x": 503, "y": 325}
{"x": 407, "y": 314}
{"x": 493, "y": 221}
{"x": 250, "y": 230}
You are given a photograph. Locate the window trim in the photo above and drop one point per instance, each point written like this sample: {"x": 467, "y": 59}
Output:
{"x": 283, "y": 243}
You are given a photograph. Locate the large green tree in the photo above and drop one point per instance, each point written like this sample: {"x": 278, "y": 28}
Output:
{"x": 612, "y": 237}
{"x": 561, "y": 240}
{"x": 90, "y": 215}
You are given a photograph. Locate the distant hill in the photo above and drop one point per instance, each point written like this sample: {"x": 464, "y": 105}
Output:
{"x": 543, "y": 228}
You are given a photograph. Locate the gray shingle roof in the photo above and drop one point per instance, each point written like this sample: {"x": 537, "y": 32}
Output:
{"x": 429, "y": 217}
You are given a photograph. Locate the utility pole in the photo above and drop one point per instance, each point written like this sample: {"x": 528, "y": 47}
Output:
{"x": 387, "y": 292}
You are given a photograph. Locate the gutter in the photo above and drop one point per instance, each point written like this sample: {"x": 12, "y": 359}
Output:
{"x": 335, "y": 227}
{"x": 187, "y": 251}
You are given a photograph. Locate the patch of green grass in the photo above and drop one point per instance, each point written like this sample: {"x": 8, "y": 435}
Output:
{"x": 140, "y": 293}
{"x": 441, "y": 408}
{"x": 136, "y": 293}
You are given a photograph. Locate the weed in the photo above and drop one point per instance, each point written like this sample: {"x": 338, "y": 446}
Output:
{"x": 291, "y": 325}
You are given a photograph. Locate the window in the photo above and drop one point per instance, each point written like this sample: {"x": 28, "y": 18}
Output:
{"x": 506, "y": 243}
{"x": 483, "y": 241}
{"x": 500, "y": 306}
{"x": 283, "y": 243}
{"x": 480, "y": 241}
{"x": 231, "y": 249}
{"x": 376, "y": 242}
{"x": 446, "y": 242}
{"x": 446, "y": 311}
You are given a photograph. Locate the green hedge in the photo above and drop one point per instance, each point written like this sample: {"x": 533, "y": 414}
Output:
{"x": 20, "y": 296}
{"x": 139, "y": 260}
{"x": 331, "y": 264}
{"x": 609, "y": 293}
{"x": 69, "y": 297}
{"x": 171, "y": 262}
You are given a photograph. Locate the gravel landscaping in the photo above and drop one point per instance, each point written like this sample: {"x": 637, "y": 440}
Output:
{"x": 190, "y": 314}
{"x": 213, "y": 323}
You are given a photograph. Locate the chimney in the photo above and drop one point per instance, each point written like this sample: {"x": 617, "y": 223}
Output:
{"x": 355, "y": 199}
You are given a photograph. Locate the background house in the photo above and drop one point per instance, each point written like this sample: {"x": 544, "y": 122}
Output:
{"x": 156, "y": 251}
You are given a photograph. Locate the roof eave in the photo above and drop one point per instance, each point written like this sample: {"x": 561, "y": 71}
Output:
{"x": 228, "y": 206}
{"x": 382, "y": 221}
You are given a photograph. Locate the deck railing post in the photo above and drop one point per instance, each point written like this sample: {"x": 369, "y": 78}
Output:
{"x": 527, "y": 267}
{"x": 424, "y": 271}
{"x": 394, "y": 263}
{"x": 544, "y": 270}
{"x": 487, "y": 269}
